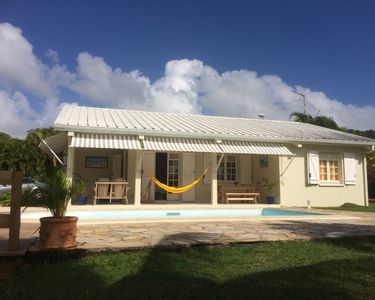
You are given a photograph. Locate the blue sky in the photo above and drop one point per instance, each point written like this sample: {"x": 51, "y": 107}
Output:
{"x": 325, "y": 49}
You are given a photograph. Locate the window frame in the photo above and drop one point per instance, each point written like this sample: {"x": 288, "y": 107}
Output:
{"x": 224, "y": 167}
{"x": 329, "y": 157}
{"x": 173, "y": 182}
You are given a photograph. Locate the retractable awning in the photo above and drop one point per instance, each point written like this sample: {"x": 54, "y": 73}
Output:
{"x": 170, "y": 144}
{"x": 54, "y": 145}
{"x": 181, "y": 145}
{"x": 240, "y": 147}
{"x": 106, "y": 141}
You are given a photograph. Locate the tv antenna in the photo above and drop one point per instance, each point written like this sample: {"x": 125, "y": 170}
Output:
{"x": 304, "y": 100}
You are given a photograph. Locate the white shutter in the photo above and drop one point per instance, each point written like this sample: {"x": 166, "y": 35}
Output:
{"x": 313, "y": 167}
{"x": 350, "y": 171}
{"x": 245, "y": 169}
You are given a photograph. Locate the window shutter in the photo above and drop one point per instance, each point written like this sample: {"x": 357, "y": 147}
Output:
{"x": 350, "y": 171}
{"x": 313, "y": 167}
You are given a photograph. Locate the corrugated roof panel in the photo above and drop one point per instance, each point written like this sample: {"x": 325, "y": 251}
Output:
{"x": 130, "y": 122}
{"x": 180, "y": 145}
{"x": 238, "y": 147}
{"x": 105, "y": 141}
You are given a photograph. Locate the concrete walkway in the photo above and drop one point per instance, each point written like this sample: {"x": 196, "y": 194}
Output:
{"x": 185, "y": 233}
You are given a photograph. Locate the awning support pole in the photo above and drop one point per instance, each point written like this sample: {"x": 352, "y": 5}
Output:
{"x": 70, "y": 163}
{"x": 219, "y": 162}
{"x": 53, "y": 152}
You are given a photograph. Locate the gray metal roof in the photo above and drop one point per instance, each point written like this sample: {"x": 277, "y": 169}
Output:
{"x": 118, "y": 121}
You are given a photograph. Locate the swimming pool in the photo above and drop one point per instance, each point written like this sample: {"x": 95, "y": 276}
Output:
{"x": 172, "y": 214}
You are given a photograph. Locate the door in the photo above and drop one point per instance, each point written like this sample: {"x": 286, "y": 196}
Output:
{"x": 173, "y": 174}
{"x": 161, "y": 161}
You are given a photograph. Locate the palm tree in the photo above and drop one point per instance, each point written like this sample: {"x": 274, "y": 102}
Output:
{"x": 323, "y": 121}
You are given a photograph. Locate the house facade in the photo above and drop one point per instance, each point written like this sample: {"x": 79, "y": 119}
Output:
{"x": 300, "y": 162}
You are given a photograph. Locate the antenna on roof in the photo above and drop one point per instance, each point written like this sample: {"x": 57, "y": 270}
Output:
{"x": 261, "y": 116}
{"x": 305, "y": 111}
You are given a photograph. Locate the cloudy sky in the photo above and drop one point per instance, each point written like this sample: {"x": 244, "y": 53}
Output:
{"x": 232, "y": 58}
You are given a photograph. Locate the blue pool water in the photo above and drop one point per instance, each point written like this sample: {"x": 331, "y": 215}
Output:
{"x": 173, "y": 214}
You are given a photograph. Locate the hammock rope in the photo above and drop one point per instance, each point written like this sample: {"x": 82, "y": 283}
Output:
{"x": 175, "y": 190}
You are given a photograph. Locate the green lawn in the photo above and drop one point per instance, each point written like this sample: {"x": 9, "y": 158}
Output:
{"x": 319, "y": 269}
{"x": 353, "y": 207}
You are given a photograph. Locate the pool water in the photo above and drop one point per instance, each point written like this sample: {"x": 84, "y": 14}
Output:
{"x": 173, "y": 214}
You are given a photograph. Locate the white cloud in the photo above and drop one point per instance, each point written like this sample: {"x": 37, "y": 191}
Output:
{"x": 97, "y": 81}
{"x": 188, "y": 86}
{"x": 19, "y": 66}
{"x": 17, "y": 115}
{"x": 53, "y": 56}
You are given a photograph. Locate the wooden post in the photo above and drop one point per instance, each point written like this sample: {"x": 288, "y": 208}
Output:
{"x": 13, "y": 220}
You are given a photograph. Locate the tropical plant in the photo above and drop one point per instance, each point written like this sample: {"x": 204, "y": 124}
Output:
{"x": 56, "y": 190}
{"x": 29, "y": 198}
{"x": 25, "y": 155}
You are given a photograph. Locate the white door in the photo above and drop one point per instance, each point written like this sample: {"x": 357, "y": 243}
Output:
{"x": 173, "y": 174}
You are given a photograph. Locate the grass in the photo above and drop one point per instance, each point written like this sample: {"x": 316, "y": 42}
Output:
{"x": 353, "y": 207}
{"x": 320, "y": 269}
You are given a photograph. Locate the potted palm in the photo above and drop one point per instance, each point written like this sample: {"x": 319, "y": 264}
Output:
{"x": 268, "y": 186}
{"x": 58, "y": 231}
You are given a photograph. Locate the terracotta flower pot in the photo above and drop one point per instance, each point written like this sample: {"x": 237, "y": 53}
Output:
{"x": 58, "y": 233}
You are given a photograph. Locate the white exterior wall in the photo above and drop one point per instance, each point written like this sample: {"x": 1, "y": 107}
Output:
{"x": 271, "y": 173}
{"x": 294, "y": 189}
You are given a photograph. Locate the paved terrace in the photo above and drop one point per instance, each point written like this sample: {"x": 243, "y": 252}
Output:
{"x": 122, "y": 235}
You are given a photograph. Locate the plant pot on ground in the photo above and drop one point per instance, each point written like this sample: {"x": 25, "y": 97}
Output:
{"x": 55, "y": 192}
{"x": 269, "y": 186}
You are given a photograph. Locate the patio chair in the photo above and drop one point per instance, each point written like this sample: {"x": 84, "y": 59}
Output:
{"x": 101, "y": 189}
{"x": 120, "y": 189}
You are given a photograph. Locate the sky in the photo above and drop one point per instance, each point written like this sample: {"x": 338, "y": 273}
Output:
{"x": 230, "y": 58}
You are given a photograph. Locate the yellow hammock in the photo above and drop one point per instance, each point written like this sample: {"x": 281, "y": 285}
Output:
{"x": 179, "y": 190}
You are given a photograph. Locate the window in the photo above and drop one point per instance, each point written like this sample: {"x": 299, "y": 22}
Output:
{"x": 329, "y": 167}
{"x": 228, "y": 169}
{"x": 173, "y": 168}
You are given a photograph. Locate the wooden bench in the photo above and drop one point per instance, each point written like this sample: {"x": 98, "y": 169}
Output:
{"x": 240, "y": 192}
{"x": 247, "y": 197}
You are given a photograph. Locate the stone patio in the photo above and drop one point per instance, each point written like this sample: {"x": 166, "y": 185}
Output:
{"x": 122, "y": 235}
{"x": 184, "y": 233}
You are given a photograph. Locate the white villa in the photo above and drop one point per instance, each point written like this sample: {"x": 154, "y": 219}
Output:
{"x": 302, "y": 162}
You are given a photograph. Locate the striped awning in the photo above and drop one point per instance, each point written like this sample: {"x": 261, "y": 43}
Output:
{"x": 106, "y": 141}
{"x": 239, "y": 147}
{"x": 170, "y": 144}
{"x": 181, "y": 145}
